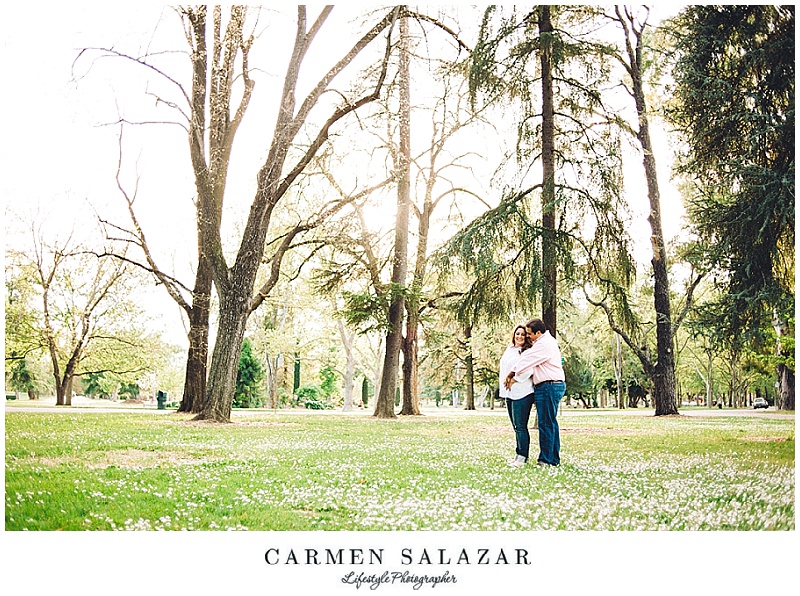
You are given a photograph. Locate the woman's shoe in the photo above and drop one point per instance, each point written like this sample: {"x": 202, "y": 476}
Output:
{"x": 517, "y": 462}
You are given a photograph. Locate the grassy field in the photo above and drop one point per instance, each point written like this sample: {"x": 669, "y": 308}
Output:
{"x": 444, "y": 471}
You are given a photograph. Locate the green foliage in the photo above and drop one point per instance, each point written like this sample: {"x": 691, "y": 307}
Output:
{"x": 21, "y": 378}
{"x": 296, "y": 375}
{"x": 129, "y": 390}
{"x": 579, "y": 375}
{"x": 248, "y": 393}
{"x": 501, "y": 251}
{"x": 97, "y": 385}
{"x": 328, "y": 381}
{"x": 23, "y": 328}
{"x": 284, "y": 398}
{"x": 312, "y": 398}
{"x": 366, "y": 390}
{"x": 369, "y": 311}
{"x": 734, "y": 103}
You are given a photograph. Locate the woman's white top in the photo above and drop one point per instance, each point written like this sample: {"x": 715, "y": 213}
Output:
{"x": 519, "y": 389}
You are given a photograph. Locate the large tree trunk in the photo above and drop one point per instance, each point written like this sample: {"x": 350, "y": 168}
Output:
{"x": 60, "y": 397}
{"x": 411, "y": 340}
{"x": 663, "y": 372}
{"x": 194, "y": 386}
{"x": 785, "y": 374}
{"x": 67, "y": 389}
{"x": 350, "y": 366}
{"x": 60, "y": 388}
{"x": 469, "y": 377}
{"x": 225, "y": 359}
{"x": 384, "y": 405}
{"x": 785, "y": 387}
{"x": 549, "y": 264}
{"x": 411, "y": 363}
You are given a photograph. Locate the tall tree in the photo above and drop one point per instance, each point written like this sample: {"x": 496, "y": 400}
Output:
{"x": 84, "y": 301}
{"x": 734, "y": 104}
{"x": 235, "y": 284}
{"x": 384, "y": 404}
{"x": 218, "y": 121}
{"x": 450, "y": 118}
{"x": 544, "y": 62}
{"x": 549, "y": 261}
{"x": 634, "y": 57}
{"x": 361, "y": 252}
{"x": 214, "y": 56}
{"x": 662, "y": 371}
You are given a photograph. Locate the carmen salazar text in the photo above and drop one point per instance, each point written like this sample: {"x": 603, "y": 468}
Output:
{"x": 408, "y": 556}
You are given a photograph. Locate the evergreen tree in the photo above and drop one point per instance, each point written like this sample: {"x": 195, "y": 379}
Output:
{"x": 544, "y": 63}
{"x": 734, "y": 103}
{"x": 248, "y": 379}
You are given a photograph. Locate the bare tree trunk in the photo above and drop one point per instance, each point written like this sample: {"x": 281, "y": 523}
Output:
{"x": 469, "y": 376}
{"x": 194, "y": 386}
{"x": 67, "y": 385}
{"x": 236, "y": 285}
{"x": 350, "y": 366}
{"x": 431, "y": 173}
{"x": 225, "y": 359}
{"x": 785, "y": 399}
{"x": 786, "y": 387}
{"x": 662, "y": 373}
{"x": 411, "y": 363}
{"x": 549, "y": 263}
{"x": 384, "y": 405}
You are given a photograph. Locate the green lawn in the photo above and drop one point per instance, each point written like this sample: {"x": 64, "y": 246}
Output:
{"x": 444, "y": 471}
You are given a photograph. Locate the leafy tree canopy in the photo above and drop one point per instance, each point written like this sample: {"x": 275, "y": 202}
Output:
{"x": 734, "y": 102}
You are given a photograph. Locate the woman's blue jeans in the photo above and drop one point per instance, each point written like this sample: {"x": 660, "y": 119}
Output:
{"x": 519, "y": 411}
{"x": 547, "y": 397}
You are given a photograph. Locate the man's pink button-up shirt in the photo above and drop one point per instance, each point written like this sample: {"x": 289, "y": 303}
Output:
{"x": 542, "y": 361}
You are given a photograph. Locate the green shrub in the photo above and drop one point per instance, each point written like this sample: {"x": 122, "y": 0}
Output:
{"x": 312, "y": 397}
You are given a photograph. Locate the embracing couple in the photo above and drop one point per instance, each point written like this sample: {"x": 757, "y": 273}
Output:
{"x": 531, "y": 374}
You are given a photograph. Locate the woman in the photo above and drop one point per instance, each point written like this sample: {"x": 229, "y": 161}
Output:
{"x": 519, "y": 398}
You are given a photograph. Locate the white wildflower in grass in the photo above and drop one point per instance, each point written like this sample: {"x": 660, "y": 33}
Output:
{"x": 440, "y": 472}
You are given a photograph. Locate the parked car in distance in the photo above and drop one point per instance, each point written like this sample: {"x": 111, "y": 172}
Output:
{"x": 760, "y": 402}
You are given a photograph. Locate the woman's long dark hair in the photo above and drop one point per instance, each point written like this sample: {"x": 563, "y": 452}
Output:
{"x": 527, "y": 343}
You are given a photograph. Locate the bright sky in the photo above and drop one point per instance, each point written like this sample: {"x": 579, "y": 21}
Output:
{"x": 59, "y": 161}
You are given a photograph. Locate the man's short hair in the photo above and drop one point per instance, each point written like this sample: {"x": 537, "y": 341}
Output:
{"x": 536, "y": 325}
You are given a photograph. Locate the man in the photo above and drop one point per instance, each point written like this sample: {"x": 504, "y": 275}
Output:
{"x": 542, "y": 361}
